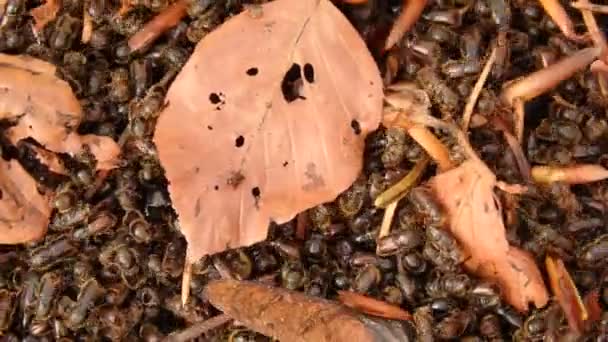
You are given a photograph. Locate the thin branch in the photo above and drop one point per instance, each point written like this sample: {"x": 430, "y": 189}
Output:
{"x": 468, "y": 109}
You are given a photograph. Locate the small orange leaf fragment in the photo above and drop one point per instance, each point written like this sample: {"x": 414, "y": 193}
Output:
{"x": 567, "y": 295}
{"x": 373, "y": 306}
{"x": 45, "y": 13}
{"x": 592, "y": 304}
{"x": 247, "y": 141}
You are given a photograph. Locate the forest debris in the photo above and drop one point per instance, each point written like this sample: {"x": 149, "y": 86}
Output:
{"x": 49, "y": 112}
{"x": 560, "y": 17}
{"x": 45, "y": 13}
{"x": 584, "y": 5}
{"x": 520, "y": 157}
{"x": 517, "y": 92}
{"x": 475, "y": 219}
{"x": 24, "y": 212}
{"x": 198, "y": 329}
{"x": 573, "y": 174}
{"x": 373, "y": 306}
{"x": 481, "y": 81}
{"x": 387, "y": 220}
{"x": 593, "y": 307}
{"x": 411, "y": 10}
{"x": 87, "y": 26}
{"x": 46, "y": 157}
{"x": 402, "y": 187}
{"x": 292, "y": 316}
{"x": 165, "y": 20}
{"x": 407, "y": 99}
{"x": 245, "y": 124}
{"x": 567, "y": 295}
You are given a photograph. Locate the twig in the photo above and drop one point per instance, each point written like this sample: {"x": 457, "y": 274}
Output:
{"x": 168, "y": 18}
{"x": 574, "y": 174}
{"x": 584, "y": 5}
{"x": 373, "y": 306}
{"x": 468, "y": 109}
{"x": 401, "y": 188}
{"x": 425, "y": 138}
{"x": 410, "y": 12}
{"x": 547, "y": 78}
{"x": 520, "y": 157}
{"x": 567, "y": 294}
{"x": 198, "y": 329}
{"x": 387, "y": 219}
{"x": 596, "y": 35}
{"x": 558, "y": 14}
{"x": 186, "y": 278}
{"x": 87, "y": 26}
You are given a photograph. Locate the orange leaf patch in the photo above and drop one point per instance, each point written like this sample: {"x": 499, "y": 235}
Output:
{"x": 248, "y": 140}
{"x": 475, "y": 220}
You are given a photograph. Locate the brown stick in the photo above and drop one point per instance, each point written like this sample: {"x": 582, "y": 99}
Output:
{"x": 197, "y": 329}
{"x": 468, "y": 109}
{"x": 596, "y": 35}
{"x": 168, "y": 18}
{"x": 559, "y": 16}
{"x": 547, "y": 78}
{"x": 411, "y": 10}
{"x": 591, "y": 7}
{"x": 287, "y": 315}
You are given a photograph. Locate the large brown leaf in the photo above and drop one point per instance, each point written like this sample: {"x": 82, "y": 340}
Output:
{"x": 24, "y": 213}
{"x": 46, "y": 109}
{"x": 475, "y": 219}
{"x": 267, "y": 119}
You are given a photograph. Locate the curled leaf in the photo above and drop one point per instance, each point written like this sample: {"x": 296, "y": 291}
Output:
{"x": 45, "y": 13}
{"x": 24, "y": 212}
{"x": 248, "y": 140}
{"x": 47, "y": 112}
{"x": 475, "y": 219}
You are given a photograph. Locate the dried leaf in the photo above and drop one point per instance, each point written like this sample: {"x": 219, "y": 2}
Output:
{"x": 373, "y": 306}
{"x": 567, "y": 295}
{"x": 24, "y": 212}
{"x": 467, "y": 194}
{"x": 45, "y": 13}
{"x": 293, "y": 316}
{"x": 248, "y": 140}
{"x": 592, "y": 304}
{"x": 48, "y": 112}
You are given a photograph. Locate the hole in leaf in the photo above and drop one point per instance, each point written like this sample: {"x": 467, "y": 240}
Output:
{"x": 292, "y": 83}
{"x": 214, "y": 98}
{"x": 285, "y": 163}
{"x": 210, "y": 128}
{"x": 255, "y": 192}
{"x": 240, "y": 141}
{"x": 216, "y": 188}
{"x": 309, "y": 73}
{"x": 355, "y": 126}
{"x": 252, "y": 71}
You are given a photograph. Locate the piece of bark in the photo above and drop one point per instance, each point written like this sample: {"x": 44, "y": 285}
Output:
{"x": 48, "y": 112}
{"x": 165, "y": 20}
{"x": 24, "y": 212}
{"x": 475, "y": 220}
{"x": 245, "y": 141}
{"x": 294, "y": 317}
